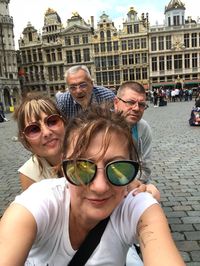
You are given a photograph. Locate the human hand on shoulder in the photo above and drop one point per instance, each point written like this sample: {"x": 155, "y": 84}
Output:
{"x": 137, "y": 187}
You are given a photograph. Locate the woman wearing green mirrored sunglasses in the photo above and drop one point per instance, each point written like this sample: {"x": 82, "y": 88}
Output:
{"x": 53, "y": 217}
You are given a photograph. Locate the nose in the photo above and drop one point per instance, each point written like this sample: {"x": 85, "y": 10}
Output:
{"x": 135, "y": 106}
{"x": 100, "y": 184}
{"x": 45, "y": 130}
{"x": 78, "y": 89}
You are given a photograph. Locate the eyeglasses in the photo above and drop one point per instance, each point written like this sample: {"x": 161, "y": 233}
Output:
{"x": 33, "y": 130}
{"x": 142, "y": 105}
{"x": 82, "y": 85}
{"x": 82, "y": 171}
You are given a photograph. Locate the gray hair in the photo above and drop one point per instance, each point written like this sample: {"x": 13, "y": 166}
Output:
{"x": 74, "y": 69}
{"x": 133, "y": 85}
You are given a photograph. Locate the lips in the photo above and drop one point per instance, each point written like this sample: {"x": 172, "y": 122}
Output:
{"x": 98, "y": 202}
{"x": 51, "y": 143}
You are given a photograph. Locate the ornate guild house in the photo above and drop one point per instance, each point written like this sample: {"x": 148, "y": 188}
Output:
{"x": 165, "y": 55}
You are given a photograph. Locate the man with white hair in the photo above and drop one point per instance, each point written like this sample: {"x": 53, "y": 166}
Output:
{"x": 81, "y": 92}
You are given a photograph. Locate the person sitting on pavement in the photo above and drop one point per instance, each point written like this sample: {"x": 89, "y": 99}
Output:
{"x": 53, "y": 217}
{"x": 131, "y": 100}
{"x": 81, "y": 92}
{"x": 195, "y": 115}
{"x": 41, "y": 130}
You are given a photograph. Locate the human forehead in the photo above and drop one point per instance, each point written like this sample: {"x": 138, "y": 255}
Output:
{"x": 129, "y": 94}
{"x": 80, "y": 75}
{"x": 35, "y": 118}
{"x": 100, "y": 144}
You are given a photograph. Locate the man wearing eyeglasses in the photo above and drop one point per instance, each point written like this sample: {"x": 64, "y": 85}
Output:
{"x": 131, "y": 99}
{"x": 81, "y": 92}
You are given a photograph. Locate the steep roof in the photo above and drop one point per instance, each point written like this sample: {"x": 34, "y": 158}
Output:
{"x": 174, "y": 4}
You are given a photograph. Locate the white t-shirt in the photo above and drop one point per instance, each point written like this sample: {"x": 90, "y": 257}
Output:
{"x": 49, "y": 202}
{"x": 31, "y": 169}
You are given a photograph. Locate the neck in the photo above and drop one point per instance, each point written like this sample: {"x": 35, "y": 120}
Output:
{"x": 78, "y": 230}
{"x": 54, "y": 160}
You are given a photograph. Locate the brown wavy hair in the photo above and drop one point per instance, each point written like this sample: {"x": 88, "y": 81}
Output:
{"x": 32, "y": 106}
{"x": 97, "y": 119}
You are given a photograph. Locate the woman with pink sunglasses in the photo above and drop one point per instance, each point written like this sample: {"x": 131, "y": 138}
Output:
{"x": 41, "y": 131}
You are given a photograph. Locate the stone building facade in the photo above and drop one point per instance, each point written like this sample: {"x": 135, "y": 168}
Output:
{"x": 9, "y": 83}
{"x": 162, "y": 55}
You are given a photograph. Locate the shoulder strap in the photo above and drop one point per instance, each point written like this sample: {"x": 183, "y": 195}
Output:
{"x": 134, "y": 131}
{"x": 89, "y": 244}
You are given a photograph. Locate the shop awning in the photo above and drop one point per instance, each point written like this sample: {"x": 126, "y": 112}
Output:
{"x": 192, "y": 82}
{"x": 163, "y": 84}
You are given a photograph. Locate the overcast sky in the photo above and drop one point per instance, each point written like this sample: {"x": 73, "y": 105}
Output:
{"x": 24, "y": 11}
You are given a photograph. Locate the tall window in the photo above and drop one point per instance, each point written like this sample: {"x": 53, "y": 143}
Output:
{"x": 98, "y": 77}
{"x": 169, "y": 62}
{"x": 97, "y": 62}
{"x": 136, "y": 28}
{"x": 103, "y": 62}
{"x": 187, "y": 60}
{"x": 108, "y": 33}
{"x": 161, "y": 43}
{"x": 131, "y": 59}
{"x": 178, "y": 61}
{"x": 96, "y": 47}
{"x": 85, "y": 38}
{"x": 138, "y": 74}
{"x": 124, "y": 60}
{"x": 86, "y": 55}
{"x": 144, "y": 73}
{"x": 153, "y": 44}
{"x": 59, "y": 54}
{"x": 130, "y": 44}
{"x": 115, "y": 45}
{"x": 68, "y": 40}
{"x": 137, "y": 43}
{"x": 194, "y": 59}
{"x": 129, "y": 29}
{"x": 144, "y": 58}
{"x": 143, "y": 43}
{"x": 116, "y": 60}
{"x": 103, "y": 47}
{"x": 176, "y": 20}
{"x": 109, "y": 46}
{"x": 168, "y": 42}
{"x": 161, "y": 63}
{"x": 132, "y": 74}
{"x": 187, "y": 40}
{"x": 34, "y": 55}
{"x": 124, "y": 45}
{"x": 137, "y": 58}
{"x": 102, "y": 36}
{"x": 69, "y": 57}
{"x": 104, "y": 77}
{"x": 110, "y": 62}
{"x": 125, "y": 75}
{"x": 111, "y": 77}
{"x": 77, "y": 56}
{"x": 117, "y": 76}
{"x": 154, "y": 64}
{"x": 194, "y": 39}
{"x": 76, "y": 39}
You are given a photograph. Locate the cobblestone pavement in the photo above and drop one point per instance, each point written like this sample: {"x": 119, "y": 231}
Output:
{"x": 176, "y": 171}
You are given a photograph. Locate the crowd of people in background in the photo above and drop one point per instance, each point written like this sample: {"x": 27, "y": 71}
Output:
{"x": 161, "y": 96}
